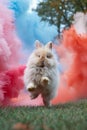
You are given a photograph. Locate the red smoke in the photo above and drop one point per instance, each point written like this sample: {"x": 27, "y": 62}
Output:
{"x": 73, "y": 56}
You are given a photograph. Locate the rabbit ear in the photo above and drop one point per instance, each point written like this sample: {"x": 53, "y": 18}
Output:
{"x": 38, "y": 44}
{"x": 49, "y": 45}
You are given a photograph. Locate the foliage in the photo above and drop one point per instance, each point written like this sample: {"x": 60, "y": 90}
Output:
{"x": 71, "y": 116}
{"x": 60, "y": 12}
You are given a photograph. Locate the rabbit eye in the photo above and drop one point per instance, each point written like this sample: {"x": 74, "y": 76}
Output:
{"x": 49, "y": 56}
{"x": 38, "y": 56}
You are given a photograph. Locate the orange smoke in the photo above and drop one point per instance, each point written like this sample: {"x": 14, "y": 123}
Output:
{"x": 73, "y": 56}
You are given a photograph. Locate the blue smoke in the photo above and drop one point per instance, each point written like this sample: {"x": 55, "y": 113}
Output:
{"x": 29, "y": 25}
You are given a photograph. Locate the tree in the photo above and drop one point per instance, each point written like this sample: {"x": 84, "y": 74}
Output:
{"x": 60, "y": 12}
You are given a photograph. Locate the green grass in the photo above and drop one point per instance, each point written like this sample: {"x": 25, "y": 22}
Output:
{"x": 71, "y": 116}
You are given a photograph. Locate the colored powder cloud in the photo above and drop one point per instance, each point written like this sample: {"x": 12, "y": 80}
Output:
{"x": 29, "y": 25}
{"x": 73, "y": 56}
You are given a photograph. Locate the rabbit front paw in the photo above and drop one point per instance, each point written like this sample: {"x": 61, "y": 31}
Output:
{"x": 31, "y": 87}
{"x": 44, "y": 80}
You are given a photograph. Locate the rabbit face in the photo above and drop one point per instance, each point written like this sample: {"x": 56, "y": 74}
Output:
{"x": 43, "y": 56}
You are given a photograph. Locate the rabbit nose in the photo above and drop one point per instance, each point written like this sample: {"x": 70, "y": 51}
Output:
{"x": 42, "y": 57}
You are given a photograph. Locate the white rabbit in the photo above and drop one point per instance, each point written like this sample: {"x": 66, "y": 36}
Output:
{"x": 41, "y": 74}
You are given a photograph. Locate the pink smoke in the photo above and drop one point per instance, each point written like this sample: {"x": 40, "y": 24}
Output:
{"x": 10, "y": 55}
{"x": 10, "y": 45}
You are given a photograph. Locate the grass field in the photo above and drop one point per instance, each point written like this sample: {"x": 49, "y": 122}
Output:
{"x": 71, "y": 116}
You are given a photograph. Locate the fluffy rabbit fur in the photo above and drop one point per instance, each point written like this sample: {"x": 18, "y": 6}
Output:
{"x": 41, "y": 74}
